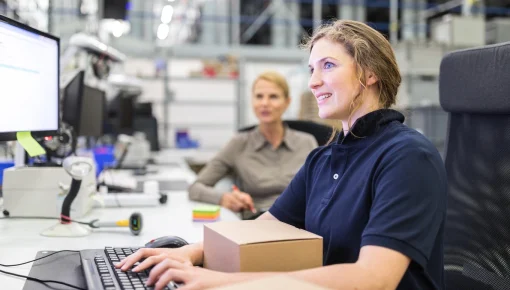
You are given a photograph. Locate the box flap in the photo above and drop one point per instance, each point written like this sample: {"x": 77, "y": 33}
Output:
{"x": 273, "y": 283}
{"x": 260, "y": 231}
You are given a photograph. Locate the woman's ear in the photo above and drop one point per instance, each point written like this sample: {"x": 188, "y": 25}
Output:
{"x": 287, "y": 102}
{"x": 371, "y": 78}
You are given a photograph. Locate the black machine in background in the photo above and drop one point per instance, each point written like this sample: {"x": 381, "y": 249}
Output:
{"x": 93, "y": 112}
{"x": 145, "y": 122}
{"x": 115, "y": 9}
{"x": 83, "y": 113}
{"x": 127, "y": 116}
{"x": 83, "y": 109}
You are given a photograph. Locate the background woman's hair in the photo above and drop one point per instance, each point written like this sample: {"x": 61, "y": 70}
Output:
{"x": 276, "y": 78}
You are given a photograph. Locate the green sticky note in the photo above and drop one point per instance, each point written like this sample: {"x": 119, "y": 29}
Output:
{"x": 206, "y": 209}
{"x": 28, "y": 142}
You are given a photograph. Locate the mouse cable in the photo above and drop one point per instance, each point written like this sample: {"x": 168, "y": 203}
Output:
{"x": 40, "y": 218}
{"x": 39, "y": 280}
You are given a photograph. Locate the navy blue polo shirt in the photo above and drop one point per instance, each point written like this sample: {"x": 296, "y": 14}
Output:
{"x": 383, "y": 184}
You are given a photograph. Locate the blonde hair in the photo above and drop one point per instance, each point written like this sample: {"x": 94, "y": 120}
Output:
{"x": 371, "y": 51}
{"x": 275, "y": 78}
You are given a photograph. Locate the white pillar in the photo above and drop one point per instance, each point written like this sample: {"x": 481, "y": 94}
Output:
{"x": 222, "y": 23}
{"x": 208, "y": 33}
{"x": 279, "y": 31}
{"x": 408, "y": 19}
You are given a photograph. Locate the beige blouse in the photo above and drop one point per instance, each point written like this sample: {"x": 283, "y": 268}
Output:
{"x": 259, "y": 169}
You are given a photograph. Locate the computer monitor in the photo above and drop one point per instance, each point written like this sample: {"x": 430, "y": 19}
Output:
{"x": 93, "y": 112}
{"x": 29, "y": 80}
{"x": 72, "y": 100}
{"x": 83, "y": 107}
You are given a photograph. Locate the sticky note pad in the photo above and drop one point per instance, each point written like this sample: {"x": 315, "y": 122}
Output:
{"x": 206, "y": 213}
{"x": 29, "y": 144}
{"x": 206, "y": 209}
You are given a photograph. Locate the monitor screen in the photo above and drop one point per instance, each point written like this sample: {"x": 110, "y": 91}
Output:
{"x": 29, "y": 79}
{"x": 72, "y": 101}
{"x": 92, "y": 112}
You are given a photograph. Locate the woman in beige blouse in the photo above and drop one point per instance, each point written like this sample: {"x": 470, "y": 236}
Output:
{"x": 263, "y": 160}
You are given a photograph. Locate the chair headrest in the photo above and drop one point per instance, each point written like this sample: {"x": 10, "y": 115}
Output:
{"x": 476, "y": 80}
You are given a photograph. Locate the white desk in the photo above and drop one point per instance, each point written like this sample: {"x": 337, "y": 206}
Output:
{"x": 192, "y": 155}
{"x": 20, "y": 240}
{"x": 169, "y": 177}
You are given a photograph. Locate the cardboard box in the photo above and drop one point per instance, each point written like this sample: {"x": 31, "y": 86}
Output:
{"x": 260, "y": 246}
{"x": 273, "y": 283}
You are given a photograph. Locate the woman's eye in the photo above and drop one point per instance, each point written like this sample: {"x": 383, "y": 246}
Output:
{"x": 273, "y": 96}
{"x": 311, "y": 70}
{"x": 328, "y": 65}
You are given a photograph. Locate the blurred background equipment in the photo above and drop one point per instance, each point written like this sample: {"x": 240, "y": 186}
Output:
{"x": 181, "y": 79}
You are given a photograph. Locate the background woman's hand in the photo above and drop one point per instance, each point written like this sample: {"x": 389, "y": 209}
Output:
{"x": 232, "y": 202}
{"x": 237, "y": 200}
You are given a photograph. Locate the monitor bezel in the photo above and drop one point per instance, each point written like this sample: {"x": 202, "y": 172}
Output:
{"x": 11, "y": 136}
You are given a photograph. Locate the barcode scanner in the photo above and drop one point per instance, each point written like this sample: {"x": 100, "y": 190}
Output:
{"x": 134, "y": 223}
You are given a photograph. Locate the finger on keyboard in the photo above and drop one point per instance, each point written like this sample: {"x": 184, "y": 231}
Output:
{"x": 132, "y": 259}
{"x": 149, "y": 262}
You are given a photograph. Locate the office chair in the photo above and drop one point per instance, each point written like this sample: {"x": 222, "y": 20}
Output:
{"x": 322, "y": 133}
{"x": 474, "y": 88}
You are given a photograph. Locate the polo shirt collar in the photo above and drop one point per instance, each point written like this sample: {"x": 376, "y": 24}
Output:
{"x": 371, "y": 123}
{"x": 288, "y": 138}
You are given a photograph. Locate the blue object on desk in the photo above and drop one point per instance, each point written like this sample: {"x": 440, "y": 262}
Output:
{"x": 104, "y": 157}
{"x": 4, "y": 165}
{"x": 182, "y": 140}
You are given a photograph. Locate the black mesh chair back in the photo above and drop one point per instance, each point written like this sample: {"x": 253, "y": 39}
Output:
{"x": 321, "y": 132}
{"x": 474, "y": 88}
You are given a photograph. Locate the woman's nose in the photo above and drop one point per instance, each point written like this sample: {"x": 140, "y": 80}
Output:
{"x": 315, "y": 80}
{"x": 264, "y": 101}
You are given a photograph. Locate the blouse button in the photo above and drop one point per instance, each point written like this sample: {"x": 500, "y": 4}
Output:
{"x": 335, "y": 176}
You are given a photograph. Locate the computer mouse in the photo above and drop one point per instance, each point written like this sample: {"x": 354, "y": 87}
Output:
{"x": 167, "y": 242}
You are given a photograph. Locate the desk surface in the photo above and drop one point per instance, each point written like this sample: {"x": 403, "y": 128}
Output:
{"x": 190, "y": 155}
{"x": 20, "y": 240}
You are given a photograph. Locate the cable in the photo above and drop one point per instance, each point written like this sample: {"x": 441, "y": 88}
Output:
{"x": 39, "y": 280}
{"x": 113, "y": 182}
{"x": 42, "y": 281}
{"x": 15, "y": 265}
{"x": 40, "y": 218}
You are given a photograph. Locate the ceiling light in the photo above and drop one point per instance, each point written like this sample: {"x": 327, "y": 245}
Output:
{"x": 163, "y": 30}
{"x": 166, "y": 14}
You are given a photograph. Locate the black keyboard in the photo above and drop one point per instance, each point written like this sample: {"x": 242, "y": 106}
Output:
{"x": 126, "y": 280}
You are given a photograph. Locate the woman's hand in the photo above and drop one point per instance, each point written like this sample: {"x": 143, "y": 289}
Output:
{"x": 237, "y": 200}
{"x": 193, "y": 277}
{"x": 232, "y": 202}
{"x": 152, "y": 257}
